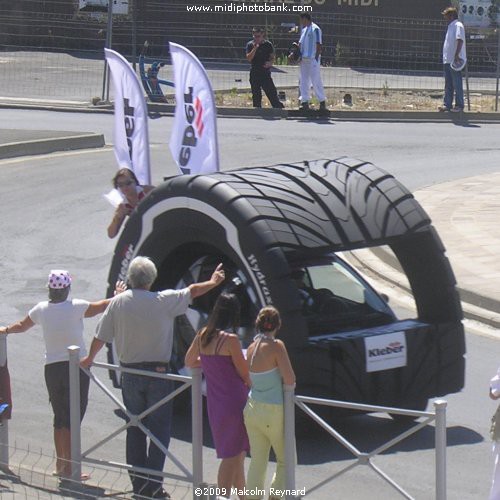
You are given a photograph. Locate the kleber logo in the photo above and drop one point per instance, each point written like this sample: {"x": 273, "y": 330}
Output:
{"x": 193, "y": 110}
{"x": 392, "y": 348}
{"x": 384, "y": 352}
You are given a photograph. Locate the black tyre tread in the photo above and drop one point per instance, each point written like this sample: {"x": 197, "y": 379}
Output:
{"x": 341, "y": 203}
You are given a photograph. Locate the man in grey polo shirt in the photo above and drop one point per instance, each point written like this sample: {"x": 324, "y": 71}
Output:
{"x": 141, "y": 324}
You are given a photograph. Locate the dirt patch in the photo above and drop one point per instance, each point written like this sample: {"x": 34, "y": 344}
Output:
{"x": 363, "y": 100}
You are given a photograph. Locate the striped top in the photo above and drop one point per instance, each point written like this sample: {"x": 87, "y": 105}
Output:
{"x": 309, "y": 37}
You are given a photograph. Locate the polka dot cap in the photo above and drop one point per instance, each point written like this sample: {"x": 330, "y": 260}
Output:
{"x": 59, "y": 278}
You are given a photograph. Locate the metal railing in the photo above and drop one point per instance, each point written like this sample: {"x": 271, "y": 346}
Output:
{"x": 195, "y": 476}
{"x": 439, "y": 416}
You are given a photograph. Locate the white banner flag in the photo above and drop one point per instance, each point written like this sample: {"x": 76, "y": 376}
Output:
{"x": 131, "y": 118}
{"x": 193, "y": 143}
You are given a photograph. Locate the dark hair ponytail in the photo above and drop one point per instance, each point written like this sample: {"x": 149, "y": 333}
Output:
{"x": 225, "y": 316}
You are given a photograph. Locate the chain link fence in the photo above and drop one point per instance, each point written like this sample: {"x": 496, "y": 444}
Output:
{"x": 50, "y": 49}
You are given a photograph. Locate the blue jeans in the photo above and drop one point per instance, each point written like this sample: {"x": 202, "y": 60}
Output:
{"x": 453, "y": 85}
{"x": 140, "y": 393}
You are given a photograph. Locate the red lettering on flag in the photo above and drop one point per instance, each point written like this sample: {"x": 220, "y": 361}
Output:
{"x": 199, "y": 118}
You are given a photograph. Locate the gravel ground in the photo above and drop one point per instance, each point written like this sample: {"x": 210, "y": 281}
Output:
{"x": 370, "y": 100}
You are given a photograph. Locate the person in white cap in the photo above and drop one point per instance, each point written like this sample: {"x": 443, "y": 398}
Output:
{"x": 61, "y": 320}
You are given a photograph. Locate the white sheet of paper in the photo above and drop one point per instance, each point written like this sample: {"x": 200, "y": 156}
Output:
{"x": 114, "y": 197}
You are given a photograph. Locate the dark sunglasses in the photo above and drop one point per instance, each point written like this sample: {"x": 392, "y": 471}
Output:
{"x": 125, "y": 183}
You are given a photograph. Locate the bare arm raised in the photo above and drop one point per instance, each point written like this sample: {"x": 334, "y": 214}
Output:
{"x": 198, "y": 289}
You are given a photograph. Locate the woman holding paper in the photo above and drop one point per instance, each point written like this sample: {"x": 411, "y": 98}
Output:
{"x": 126, "y": 183}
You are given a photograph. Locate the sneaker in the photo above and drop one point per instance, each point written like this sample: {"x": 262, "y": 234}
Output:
{"x": 456, "y": 109}
{"x": 322, "y": 106}
{"x": 304, "y": 105}
{"x": 442, "y": 109}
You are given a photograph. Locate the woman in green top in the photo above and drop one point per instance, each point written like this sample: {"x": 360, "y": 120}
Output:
{"x": 270, "y": 369}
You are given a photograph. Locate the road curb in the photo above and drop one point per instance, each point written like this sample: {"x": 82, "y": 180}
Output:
{"x": 462, "y": 119}
{"x": 51, "y": 145}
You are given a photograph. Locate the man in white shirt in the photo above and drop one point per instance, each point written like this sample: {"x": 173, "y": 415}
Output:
{"x": 454, "y": 59}
{"x": 61, "y": 320}
{"x": 310, "y": 48}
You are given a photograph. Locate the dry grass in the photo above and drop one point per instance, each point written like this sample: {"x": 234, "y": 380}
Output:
{"x": 384, "y": 99}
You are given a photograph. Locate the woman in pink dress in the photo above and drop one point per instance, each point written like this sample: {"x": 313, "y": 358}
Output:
{"x": 221, "y": 359}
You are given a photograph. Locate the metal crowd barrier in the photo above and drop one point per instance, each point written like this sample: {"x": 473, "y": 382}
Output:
{"x": 439, "y": 416}
{"x": 290, "y": 400}
{"x": 195, "y": 476}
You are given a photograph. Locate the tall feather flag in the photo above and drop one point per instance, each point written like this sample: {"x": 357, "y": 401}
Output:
{"x": 130, "y": 135}
{"x": 193, "y": 143}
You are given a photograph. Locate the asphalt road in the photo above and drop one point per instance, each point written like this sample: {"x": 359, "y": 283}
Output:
{"x": 53, "y": 215}
{"x": 418, "y": 154}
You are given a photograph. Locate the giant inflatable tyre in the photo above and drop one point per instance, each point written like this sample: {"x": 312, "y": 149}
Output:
{"x": 259, "y": 221}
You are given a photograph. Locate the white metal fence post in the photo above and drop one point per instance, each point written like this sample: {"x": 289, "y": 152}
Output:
{"x": 107, "y": 71}
{"x": 289, "y": 410}
{"x": 440, "y": 410}
{"x": 74, "y": 412}
{"x": 4, "y": 427}
{"x": 197, "y": 429}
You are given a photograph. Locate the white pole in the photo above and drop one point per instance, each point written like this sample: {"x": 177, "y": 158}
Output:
{"x": 440, "y": 410}
{"x": 289, "y": 410}
{"x": 109, "y": 35}
{"x": 74, "y": 412}
{"x": 197, "y": 429}
{"x": 4, "y": 425}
